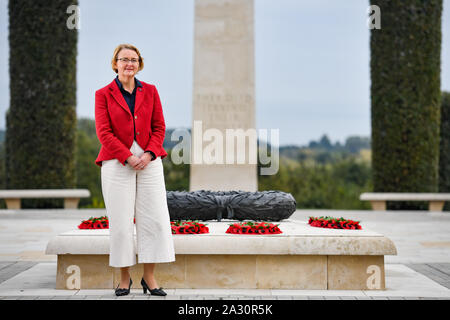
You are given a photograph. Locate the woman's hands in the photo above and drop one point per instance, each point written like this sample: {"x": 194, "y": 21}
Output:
{"x": 139, "y": 163}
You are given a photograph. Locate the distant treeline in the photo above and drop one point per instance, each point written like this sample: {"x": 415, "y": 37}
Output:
{"x": 352, "y": 144}
{"x": 323, "y": 149}
{"x": 318, "y": 175}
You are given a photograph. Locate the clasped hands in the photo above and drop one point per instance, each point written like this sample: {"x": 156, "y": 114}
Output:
{"x": 139, "y": 163}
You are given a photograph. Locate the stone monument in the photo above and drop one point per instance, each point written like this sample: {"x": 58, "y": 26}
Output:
{"x": 223, "y": 97}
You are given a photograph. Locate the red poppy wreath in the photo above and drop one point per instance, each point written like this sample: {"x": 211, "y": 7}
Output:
{"x": 188, "y": 227}
{"x": 95, "y": 223}
{"x": 249, "y": 227}
{"x": 333, "y": 223}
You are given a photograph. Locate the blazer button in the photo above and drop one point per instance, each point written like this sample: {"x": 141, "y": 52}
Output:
{"x": 137, "y": 132}
{"x": 135, "y": 117}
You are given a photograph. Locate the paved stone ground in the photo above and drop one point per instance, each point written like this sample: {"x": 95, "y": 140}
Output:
{"x": 438, "y": 272}
{"x": 422, "y": 239}
{"x": 12, "y": 268}
{"x": 199, "y": 297}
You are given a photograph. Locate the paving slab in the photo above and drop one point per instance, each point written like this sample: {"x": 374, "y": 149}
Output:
{"x": 401, "y": 281}
{"x": 438, "y": 272}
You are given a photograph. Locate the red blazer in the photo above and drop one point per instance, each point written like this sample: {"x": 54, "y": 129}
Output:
{"x": 114, "y": 122}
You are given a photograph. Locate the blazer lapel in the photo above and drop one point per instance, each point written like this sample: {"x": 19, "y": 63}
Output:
{"x": 139, "y": 98}
{"x": 117, "y": 95}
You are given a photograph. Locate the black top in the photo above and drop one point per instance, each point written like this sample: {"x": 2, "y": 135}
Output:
{"x": 130, "y": 98}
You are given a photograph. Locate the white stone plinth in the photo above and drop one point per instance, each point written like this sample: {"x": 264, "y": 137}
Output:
{"x": 302, "y": 257}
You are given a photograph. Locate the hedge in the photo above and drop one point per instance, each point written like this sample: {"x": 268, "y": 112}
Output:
{"x": 444, "y": 155}
{"x": 405, "y": 98}
{"x": 41, "y": 120}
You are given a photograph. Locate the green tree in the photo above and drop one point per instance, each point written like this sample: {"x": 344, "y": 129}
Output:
{"x": 88, "y": 173}
{"x": 405, "y": 97}
{"x": 335, "y": 185}
{"x": 41, "y": 120}
{"x": 354, "y": 143}
{"x": 176, "y": 176}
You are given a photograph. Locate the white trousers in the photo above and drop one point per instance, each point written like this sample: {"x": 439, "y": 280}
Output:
{"x": 139, "y": 194}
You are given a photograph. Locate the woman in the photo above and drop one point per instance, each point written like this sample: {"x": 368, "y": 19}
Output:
{"x": 130, "y": 126}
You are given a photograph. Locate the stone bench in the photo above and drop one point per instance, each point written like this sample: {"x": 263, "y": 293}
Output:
{"x": 302, "y": 257}
{"x": 71, "y": 196}
{"x": 378, "y": 199}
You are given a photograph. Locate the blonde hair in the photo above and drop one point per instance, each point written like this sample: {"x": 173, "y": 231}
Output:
{"x": 126, "y": 46}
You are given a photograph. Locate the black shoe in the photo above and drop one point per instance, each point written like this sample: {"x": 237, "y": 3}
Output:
{"x": 153, "y": 292}
{"x": 123, "y": 291}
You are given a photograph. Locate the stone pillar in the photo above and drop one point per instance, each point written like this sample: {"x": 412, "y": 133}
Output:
{"x": 223, "y": 96}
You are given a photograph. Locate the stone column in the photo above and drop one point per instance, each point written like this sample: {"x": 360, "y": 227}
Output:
{"x": 223, "y": 96}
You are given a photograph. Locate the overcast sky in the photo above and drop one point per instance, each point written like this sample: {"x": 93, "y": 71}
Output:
{"x": 311, "y": 61}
